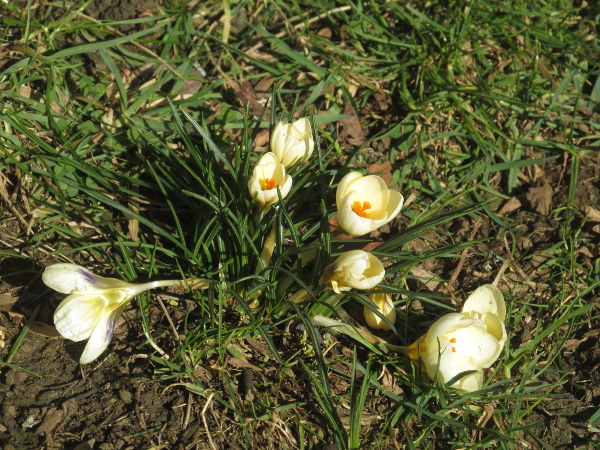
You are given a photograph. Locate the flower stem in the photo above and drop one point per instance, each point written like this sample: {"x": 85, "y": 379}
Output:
{"x": 411, "y": 351}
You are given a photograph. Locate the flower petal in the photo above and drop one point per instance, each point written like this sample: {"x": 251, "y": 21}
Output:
{"x": 74, "y": 279}
{"x": 374, "y": 190}
{"x": 344, "y": 186}
{"x": 77, "y": 316}
{"x": 395, "y": 203}
{"x": 382, "y": 304}
{"x": 102, "y": 335}
{"x": 475, "y": 343}
{"x": 486, "y": 299}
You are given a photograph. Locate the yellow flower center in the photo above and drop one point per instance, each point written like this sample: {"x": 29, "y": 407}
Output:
{"x": 361, "y": 208}
{"x": 266, "y": 184}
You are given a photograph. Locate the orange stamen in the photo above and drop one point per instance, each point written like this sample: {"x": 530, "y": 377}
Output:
{"x": 361, "y": 208}
{"x": 453, "y": 350}
{"x": 453, "y": 340}
{"x": 267, "y": 184}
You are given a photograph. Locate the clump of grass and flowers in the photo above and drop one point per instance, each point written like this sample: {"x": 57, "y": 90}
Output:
{"x": 377, "y": 222}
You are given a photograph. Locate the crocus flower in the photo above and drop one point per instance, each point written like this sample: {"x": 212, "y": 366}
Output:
{"x": 292, "y": 142}
{"x": 365, "y": 203}
{"x": 383, "y": 304}
{"x": 95, "y": 303}
{"x": 354, "y": 269}
{"x": 465, "y": 341}
{"x": 268, "y": 176}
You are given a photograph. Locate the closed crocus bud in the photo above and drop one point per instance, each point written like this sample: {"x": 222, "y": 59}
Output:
{"x": 94, "y": 304}
{"x": 383, "y": 304}
{"x": 466, "y": 341}
{"x": 268, "y": 176}
{"x": 365, "y": 203}
{"x": 354, "y": 269}
{"x": 292, "y": 142}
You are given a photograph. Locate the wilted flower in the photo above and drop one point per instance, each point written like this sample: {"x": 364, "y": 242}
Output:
{"x": 95, "y": 303}
{"x": 268, "y": 176}
{"x": 365, "y": 203}
{"x": 466, "y": 341}
{"x": 383, "y": 304}
{"x": 354, "y": 269}
{"x": 292, "y": 142}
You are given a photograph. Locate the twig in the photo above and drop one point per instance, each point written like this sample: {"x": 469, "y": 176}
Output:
{"x": 517, "y": 267}
{"x": 208, "y": 400}
{"x": 173, "y": 329}
{"x": 188, "y": 412}
{"x": 462, "y": 260}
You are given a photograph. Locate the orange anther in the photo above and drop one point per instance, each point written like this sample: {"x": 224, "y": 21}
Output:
{"x": 361, "y": 208}
{"x": 453, "y": 340}
{"x": 453, "y": 350}
{"x": 267, "y": 184}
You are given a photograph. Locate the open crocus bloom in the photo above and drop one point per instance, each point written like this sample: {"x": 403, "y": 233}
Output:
{"x": 292, "y": 142}
{"x": 467, "y": 341}
{"x": 365, "y": 203}
{"x": 268, "y": 176}
{"x": 383, "y": 304}
{"x": 95, "y": 303}
{"x": 354, "y": 269}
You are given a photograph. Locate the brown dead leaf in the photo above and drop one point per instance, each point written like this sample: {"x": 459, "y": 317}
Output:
{"x": 540, "y": 198}
{"x": 262, "y": 138}
{"x": 510, "y": 206}
{"x": 43, "y": 329}
{"x": 428, "y": 278}
{"x": 593, "y": 214}
{"x": 382, "y": 100}
{"x": 241, "y": 364}
{"x": 247, "y": 96}
{"x": 385, "y": 169}
{"x": 263, "y": 87}
{"x": 351, "y": 129}
{"x": 8, "y": 299}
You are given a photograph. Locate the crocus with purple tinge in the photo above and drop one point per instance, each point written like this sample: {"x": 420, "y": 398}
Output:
{"x": 94, "y": 304}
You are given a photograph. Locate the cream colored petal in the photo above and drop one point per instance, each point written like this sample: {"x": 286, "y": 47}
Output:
{"x": 75, "y": 279}
{"x": 268, "y": 158}
{"x": 383, "y": 304}
{"x": 286, "y": 186}
{"x": 437, "y": 359}
{"x": 255, "y": 189}
{"x": 486, "y": 299}
{"x": 77, "y": 316}
{"x": 101, "y": 336}
{"x": 303, "y": 126}
{"x": 470, "y": 383}
{"x": 441, "y": 326}
{"x": 395, "y": 203}
{"x": 298, "y": 152}
{"x": 344, "y": 186}
{"x": 474, "y": 342}
{"x": 351, "y": 222}
{"x": 374, "y": 190}
{"x": 277, "y": 140}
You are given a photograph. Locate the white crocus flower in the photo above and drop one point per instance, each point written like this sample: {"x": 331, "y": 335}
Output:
{"x": 95, "y": 303}
{"x": 292, "y": 142}
{"x": 383, "y": 304}
{"x": 470, "y": 340}
{"x": 354, "y": 269}
{"x": 268, "y": 176}
{"x": 365, "y": 203}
